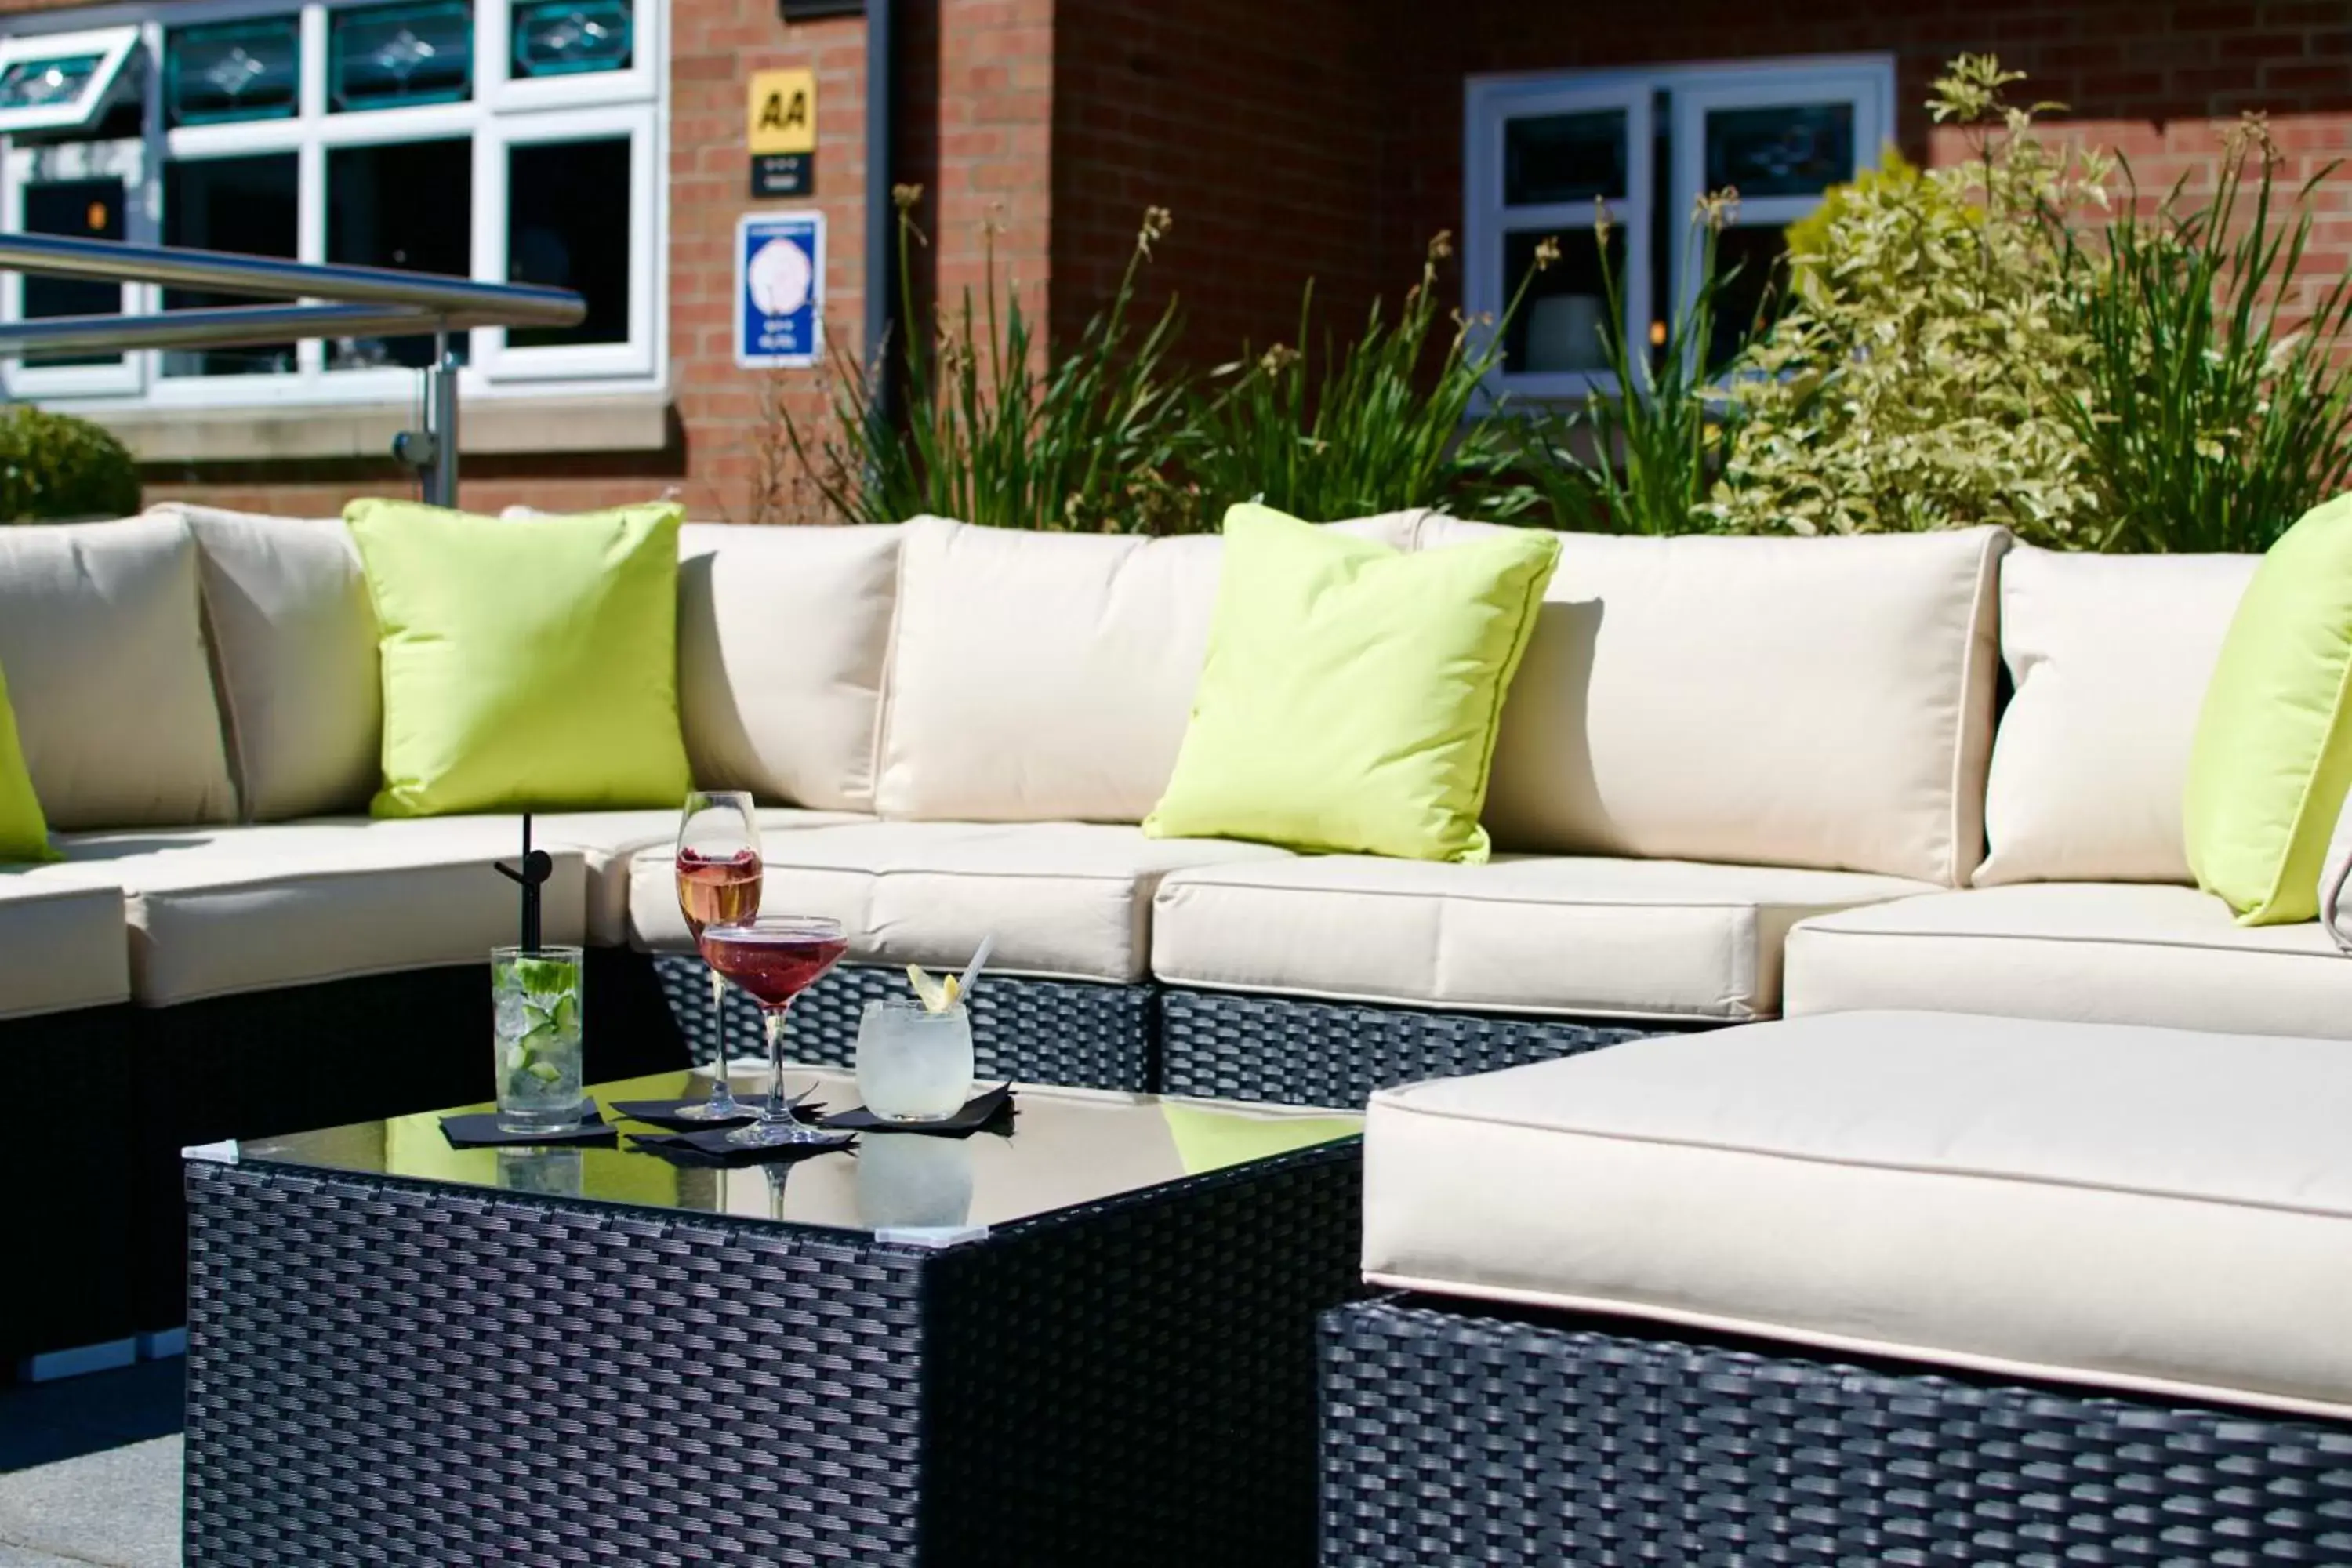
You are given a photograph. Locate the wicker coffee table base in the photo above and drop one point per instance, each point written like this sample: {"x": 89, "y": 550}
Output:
{"x": 1455, "y": 1437}
{"x": 384, "y": 1371}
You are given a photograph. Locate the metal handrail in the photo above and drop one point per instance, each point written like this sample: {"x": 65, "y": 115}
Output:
{"x": 270, "y": 277}
{"x": 352, "y": 302}
{"x": 227, "y": 326}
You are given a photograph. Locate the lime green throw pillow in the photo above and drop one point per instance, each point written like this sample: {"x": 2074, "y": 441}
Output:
{"x": 2272, "y": 754}
{"x": 1352, "y": 692}
{"x": 23, "y": 830}
{"x": 528, "y": 664}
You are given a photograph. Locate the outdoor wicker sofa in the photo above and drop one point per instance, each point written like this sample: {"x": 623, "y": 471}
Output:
{"x": 1722, "y": 759}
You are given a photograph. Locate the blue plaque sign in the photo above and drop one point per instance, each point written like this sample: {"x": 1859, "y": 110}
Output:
{"x": 779, "y": 290}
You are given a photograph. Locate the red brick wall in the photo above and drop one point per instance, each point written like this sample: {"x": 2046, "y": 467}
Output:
{"x": 974, "y": 128}
{"x": 1324, "y": 136}
{"x": 1260, "y": 126}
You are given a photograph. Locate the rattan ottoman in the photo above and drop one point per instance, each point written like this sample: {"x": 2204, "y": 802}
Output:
{"x": 1104, "y": 1354}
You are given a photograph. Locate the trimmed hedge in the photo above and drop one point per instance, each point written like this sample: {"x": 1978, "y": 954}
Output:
{"x": 55, "y": 467}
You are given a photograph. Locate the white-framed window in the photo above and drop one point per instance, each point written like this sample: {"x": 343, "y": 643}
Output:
{"x": 63, "y": 80}
{"x": 503, "y": 140}
{"x": 1538, "y": 151}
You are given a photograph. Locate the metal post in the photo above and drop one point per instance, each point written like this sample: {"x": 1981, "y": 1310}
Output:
{"x": 881, "y": 211}
{"x": 441, "y": 425}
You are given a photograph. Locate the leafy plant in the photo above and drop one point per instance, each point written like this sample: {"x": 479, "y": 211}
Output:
{"x": 1369, "y": 425}
{"x": 2212, "y": 418}
{"x": 1639, "y": 457}
{"x": 1001, "y": 428}
{"x": 55, "y": 467}
{"x": 1925, "y": 372}
{"x": 1809, "y": 235}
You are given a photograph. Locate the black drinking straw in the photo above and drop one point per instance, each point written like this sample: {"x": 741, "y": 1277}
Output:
{"x": 537, "y": 867}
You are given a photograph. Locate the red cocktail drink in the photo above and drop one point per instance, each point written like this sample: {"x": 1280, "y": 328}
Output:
{"x": 775, "y": 958}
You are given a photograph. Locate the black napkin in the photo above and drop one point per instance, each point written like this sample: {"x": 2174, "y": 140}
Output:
{"x": 982, "y": 1113}
{"x": 711, "y": 1148}
{"x": 665, "y": 1112}
{"x": 481, "y": 1131}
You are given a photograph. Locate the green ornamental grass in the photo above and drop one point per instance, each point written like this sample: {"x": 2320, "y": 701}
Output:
{"x": 2216, "y": 409}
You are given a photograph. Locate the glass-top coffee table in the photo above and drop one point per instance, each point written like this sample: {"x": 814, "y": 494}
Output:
{"x": 1090, "y": 1340}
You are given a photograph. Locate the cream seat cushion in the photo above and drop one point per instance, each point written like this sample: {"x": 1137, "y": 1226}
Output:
{"x": 1633, "y": 939}
{"x": 1065, "y": 899}
{"x": 609, "y": 841}
{"x": 2095, "y": 952}
{"x": 1048, "y": 677}
{"x": 2110, "y": 655}
{"x": 214, "y": 911}
{"x": 2134, "y": 1207}
{"x": 104, "y": 650}
{"x": 1822, "y": 702}
{"x": 783, "y": 635}
{"x": 294, "y": 639}
{"x": 62, "y": 940}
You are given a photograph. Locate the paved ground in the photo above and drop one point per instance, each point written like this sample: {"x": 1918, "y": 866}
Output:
{"x": 90, "y": 1470}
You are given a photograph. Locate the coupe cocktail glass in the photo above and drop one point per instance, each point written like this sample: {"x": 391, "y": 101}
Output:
{"x": 718, "y": 875}
{"x": 775, "y": 958}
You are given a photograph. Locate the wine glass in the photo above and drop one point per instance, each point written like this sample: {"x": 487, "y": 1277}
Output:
{"x": 775, "y": 958}
{"x": 719, "y": 872}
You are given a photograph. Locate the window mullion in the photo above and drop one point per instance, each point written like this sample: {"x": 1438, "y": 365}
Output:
{"x": 489, "y": 227}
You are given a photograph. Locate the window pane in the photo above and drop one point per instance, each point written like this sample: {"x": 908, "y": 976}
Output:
{"x": 38, "y": 84}
{"x": 1797, "y": 150}
{"x": 564, "y": 38}
{"x": 568, "y": 226}
{"x": 1752, "y": 292}
{"x": 241, "y": 70}
{"x": 385, "y": 57}
{"x": 1559, "y": 325}
{"x": 249, "y": 204}
{"x": 89, "y": 209}
{"x": 411, "y": 205}
{"x": 1564, "y": 158}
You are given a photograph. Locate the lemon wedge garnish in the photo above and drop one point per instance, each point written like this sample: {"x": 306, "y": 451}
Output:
{"x": 937, "y": 995}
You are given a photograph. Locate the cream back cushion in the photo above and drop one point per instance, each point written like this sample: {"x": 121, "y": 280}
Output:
{"x": 294, "y": 645}
{"x": 2110, "y": 655}
{"x": 1048, "y": 677}
{"x": 1822, "y": 702}
{"x": 104, "y": 653}
{"x": 782, "y": 637}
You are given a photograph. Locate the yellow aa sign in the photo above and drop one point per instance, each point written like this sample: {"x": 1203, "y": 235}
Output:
{"x": 783, "y": 111}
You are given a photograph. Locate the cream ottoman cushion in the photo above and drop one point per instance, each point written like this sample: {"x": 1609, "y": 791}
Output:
{"x": 2132, "y": 1207}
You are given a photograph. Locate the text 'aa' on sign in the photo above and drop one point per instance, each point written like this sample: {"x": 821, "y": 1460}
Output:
{"x": 779, "y": 290}
{"x": 782, "y": 116}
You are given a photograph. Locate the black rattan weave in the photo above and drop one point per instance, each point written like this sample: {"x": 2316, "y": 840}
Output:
{"x": 1032, "y": 1031}
{"x": 1452, "y": 1438}
{"x": 396, "y": 1373}
{"x": 1228, "y": 1046}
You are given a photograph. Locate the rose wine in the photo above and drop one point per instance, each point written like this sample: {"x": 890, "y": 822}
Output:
{"x": 714, "y": 890}
{"x": 774, "y": 966}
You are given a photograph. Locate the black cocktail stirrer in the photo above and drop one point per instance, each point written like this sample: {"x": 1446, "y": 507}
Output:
{"x": 538, "y": 866}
